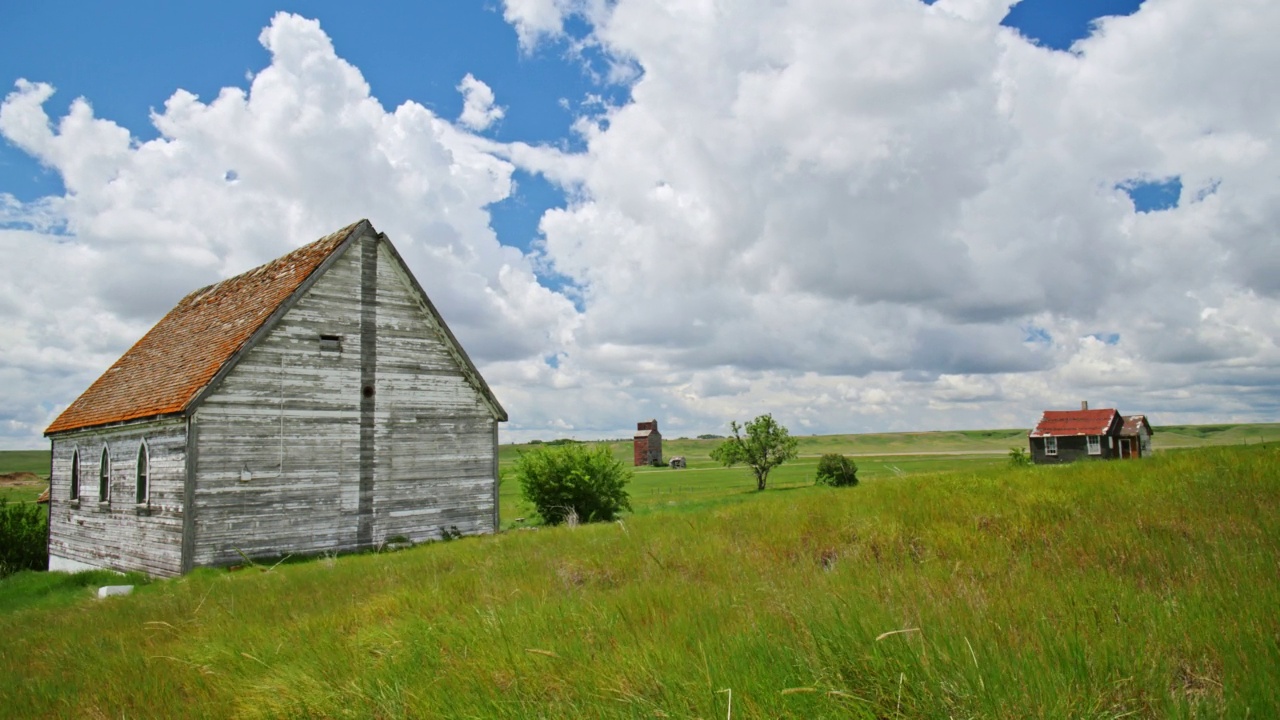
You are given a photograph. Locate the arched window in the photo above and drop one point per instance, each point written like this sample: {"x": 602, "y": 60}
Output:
{"x": 75, "y": 474}
{"x": 104, "y": 477}
{"x": 144, "y": 469}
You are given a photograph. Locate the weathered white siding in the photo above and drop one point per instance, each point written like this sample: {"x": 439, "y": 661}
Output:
{"x": 277, "y": 441}
{"x": 119, "y": 534}
{"x": 293, "y": 455}
{"x": 435, "y": 439}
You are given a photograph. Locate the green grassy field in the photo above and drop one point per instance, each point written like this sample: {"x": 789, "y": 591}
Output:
{"x": 705, "y": 483}
{"x": 878, "y": 455}
{"x": 1099, "y": 590}
{"x": 35, "y": 462}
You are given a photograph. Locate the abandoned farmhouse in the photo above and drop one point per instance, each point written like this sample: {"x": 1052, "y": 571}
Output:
{"x": 1064, "y": 436}
{"x": 316, "y": 403}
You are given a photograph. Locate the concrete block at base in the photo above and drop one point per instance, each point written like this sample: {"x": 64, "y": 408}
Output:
{"x": 109, "y": 590}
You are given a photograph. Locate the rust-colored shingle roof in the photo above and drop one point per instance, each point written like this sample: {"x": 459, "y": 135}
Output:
{"x": 165, "y": 370}
{"x": 1075, "y": 422}
{"x": 1132, "y": 423}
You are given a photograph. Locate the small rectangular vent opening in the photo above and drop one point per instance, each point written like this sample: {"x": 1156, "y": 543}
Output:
{"x": 331, "y": 343}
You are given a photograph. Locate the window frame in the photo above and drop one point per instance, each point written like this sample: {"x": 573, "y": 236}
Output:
{"x": 1050, "y": 445}
{"x": 142, "y": 475}
{"x": 104, "y": 477}
{"x": 1094, "y": 444}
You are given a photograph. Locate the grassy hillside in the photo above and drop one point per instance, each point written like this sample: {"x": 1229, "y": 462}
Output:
{"x": 32, "y": 461}
{"x": 1137, "y": 589}
{"x": 706, "y": 483}
{"x": 15, "y": 484}
{"x": 1171, "y": 436}
{"x": 956, "y": 441}
{"x": 966, "y": 442}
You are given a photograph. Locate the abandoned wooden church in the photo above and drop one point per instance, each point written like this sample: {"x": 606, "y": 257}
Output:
{"x": 316, "y": 403}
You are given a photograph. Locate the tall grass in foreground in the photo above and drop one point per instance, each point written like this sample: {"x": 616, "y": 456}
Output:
{"x": 1137, "y": 589}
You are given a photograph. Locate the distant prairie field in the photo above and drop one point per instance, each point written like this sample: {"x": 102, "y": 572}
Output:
{"x": 24, "y": 474}
{"x": 1139, "y": 589}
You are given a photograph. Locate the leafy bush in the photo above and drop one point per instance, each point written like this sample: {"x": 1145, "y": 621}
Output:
{"x": 24, "y": 537}
{"x": 837, "y": 471}
{"x": 573, "y": 480}
{"x": 1019, "y": 457}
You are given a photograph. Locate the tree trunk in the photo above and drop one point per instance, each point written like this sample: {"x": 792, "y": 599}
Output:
{"x": 760, "y": 480}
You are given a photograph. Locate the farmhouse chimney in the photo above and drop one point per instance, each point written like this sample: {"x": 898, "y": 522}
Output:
{"x": 1084, "y": 404}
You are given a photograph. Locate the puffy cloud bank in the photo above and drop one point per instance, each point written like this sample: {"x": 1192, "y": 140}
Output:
{"x": 887, "y": 214}
{"x": 232, "y": 183}
{"x": 857, "y": 216}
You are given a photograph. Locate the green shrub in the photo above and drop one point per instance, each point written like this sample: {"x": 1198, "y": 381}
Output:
{"x": 573, "y": 481}
{"x": 836, "y": 471}
{"x": 1019, "y": 457}
{"x": 24, "y": 537}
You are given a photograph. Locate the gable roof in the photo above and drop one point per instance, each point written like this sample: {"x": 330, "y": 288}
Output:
{"x": 168, "y": 368}
{"x": 1132, "y": 423}
{"x": 1057, "y": 423}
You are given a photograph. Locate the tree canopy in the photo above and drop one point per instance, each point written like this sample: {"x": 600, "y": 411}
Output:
{"x": 761, "y": 444}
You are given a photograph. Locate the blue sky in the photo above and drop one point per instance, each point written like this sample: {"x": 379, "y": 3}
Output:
{"x": 127, "y": 62}
{"x": 1059, "y": 23}
{"x": 859, "y": 216}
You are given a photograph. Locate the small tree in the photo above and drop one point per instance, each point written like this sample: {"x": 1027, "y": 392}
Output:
{"x": 836, "y": 471}
{"x": 765, "y": 446}
{"x": 573, "y": 480}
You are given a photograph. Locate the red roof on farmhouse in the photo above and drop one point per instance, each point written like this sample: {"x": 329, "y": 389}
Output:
{"x": 165, "y": 370}
{"x": 1074, "y": 422}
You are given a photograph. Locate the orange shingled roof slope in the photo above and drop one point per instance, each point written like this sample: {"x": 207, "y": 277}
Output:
{"x": 165, "y": 370}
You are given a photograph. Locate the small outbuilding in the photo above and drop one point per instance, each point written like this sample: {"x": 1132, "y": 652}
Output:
{"x": 1135, "y": 437}
{"x": 317, "y": 403}
{"x": 647, "y": 444}
{"x": 1064, "y": 436}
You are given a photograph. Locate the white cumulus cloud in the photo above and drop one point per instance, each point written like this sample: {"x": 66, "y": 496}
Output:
{"x": 859, "y": 216}
{"x": 478, "y": 110}
{"x": 836, "y": 201}
{"x": 231, "y": 183}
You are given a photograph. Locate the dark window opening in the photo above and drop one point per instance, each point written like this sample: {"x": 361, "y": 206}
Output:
{"x": 104, "y": 477}
{"x": 331, "y": 343}
{"x": 144, "y": 468}
{"x": 75, "y": 475}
